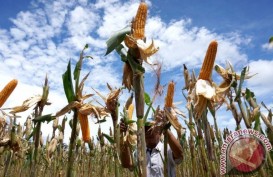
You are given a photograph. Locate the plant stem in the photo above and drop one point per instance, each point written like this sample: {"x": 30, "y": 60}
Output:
{"x": 70, "y": 169}
{"x": 139, "y": 102}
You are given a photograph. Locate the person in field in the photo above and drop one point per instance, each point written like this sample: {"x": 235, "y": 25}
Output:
{"x": 155, "y": 151}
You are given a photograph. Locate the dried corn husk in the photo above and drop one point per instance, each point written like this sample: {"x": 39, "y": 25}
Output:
{"x": 26, "y": 104}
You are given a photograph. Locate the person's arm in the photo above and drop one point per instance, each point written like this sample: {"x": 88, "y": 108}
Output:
{"x": 174, "y": 145}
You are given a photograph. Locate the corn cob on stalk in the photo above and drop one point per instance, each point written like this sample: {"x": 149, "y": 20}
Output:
{"x": 205, "y": 74}
{"x": 140, "y": 21}
{"x": 138, "y": 26}
{"x": 84, "y": 127}
{"x": 207, "y": 67}
{"x": 7, "y": 90}
{"x": 130, "y": 111}
{"x": 170, "y": 94}
{"x": 131, "y": 137}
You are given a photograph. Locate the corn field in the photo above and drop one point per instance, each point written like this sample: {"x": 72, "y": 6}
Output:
{"x": 23, "y": 153}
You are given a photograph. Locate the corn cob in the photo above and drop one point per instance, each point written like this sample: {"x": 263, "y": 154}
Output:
{"x": 85, "y": 127}
{"x": 129, "y": 101}
{"x": 208, "y": 63}
{"x": 7, "y": 90}
{"x": 170, "y": 94}
{"x": 130, "y": 111}
{"x": 138, "y": 24}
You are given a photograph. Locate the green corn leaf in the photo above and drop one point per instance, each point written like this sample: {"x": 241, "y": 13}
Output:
{"x": 100, "y": 121}
{"x": 31, "y": 134}
{"x": 271, "y": 39}
{"x": 116, "y": 39}
{"x": 257, "y": 125}
{"x": 147, "y": 98}
{"x": 109, "y": 138}
{"x": 44, "y": 118}
{"x": 127, "y": 122}
{"x": 243, "y": 73}
{"x": 249, "y": 94}
{"x": 137, "y": 68}
{"x": 78, "y": 66}
{"x": 68, "y": 85}
{"x": 122, "y": 52}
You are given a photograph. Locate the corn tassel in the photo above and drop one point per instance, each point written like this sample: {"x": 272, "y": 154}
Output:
{"x": 208, "y": 63}
{"x": 85, "y": 127}
{"x": 170, "y": 94}
{"x": 7, "y": 90}
{"x": 138, "y": 25}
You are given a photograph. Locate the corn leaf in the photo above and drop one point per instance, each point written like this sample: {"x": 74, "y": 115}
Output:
{"x": 137, "y": 68}
{"x": 44, "y": 118}
{"x": 127, "y": 122}
{"x": 78, "y": 66}
{"x": 68, "y": 85}
{"x": 100, "y": 121}
{"x": 271, "y": 39}
{"x": 31, "y": 134}
{"x": 243, "y": 73}
{"x": 116, "y": 39}
{"x": 122, "y": 52}
{"x": 109, "y": 138}
{"x": 249, "y": 94}
{"x": 147, "y": 98}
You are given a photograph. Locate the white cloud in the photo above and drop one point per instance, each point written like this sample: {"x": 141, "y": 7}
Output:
{"x": 81, "y": 21}
{"x": 261, "y": 83}
{"x": 180, "y": 43}
{"x": 268, "y": 46}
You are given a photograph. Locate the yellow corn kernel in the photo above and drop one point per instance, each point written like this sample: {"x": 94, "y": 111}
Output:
{"x": 207, "y": 67}
{"x": 85, "y": 127}
{"x": 139, "y": 22}
{"x": 170, "y": 94}
{"x": 130, "y": 111}
{"x": 7, "y": 90}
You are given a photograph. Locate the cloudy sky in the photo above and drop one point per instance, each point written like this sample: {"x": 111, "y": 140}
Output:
{"x": 39, "y": 37}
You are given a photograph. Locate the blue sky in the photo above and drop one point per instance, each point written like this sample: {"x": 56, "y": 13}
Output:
{"x": 38, "y": 37}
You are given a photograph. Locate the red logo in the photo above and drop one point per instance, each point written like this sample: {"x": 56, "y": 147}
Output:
{"x": 246, "y": 154}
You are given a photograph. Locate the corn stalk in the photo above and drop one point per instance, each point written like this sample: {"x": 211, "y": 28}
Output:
{"x": 38, "y": 112}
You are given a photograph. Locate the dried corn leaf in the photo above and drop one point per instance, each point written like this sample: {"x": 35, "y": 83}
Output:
{"x": 81, "y": 85}
{"x": 87, "y": 109}
{"x": 171, "y": 115}
{"x": 69, "y": 107}
{"x": 26, "y": 104}
{"x": 146, "y": 50}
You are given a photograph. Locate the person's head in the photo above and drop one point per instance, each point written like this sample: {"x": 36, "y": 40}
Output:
{"x": 152, "y": 135}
